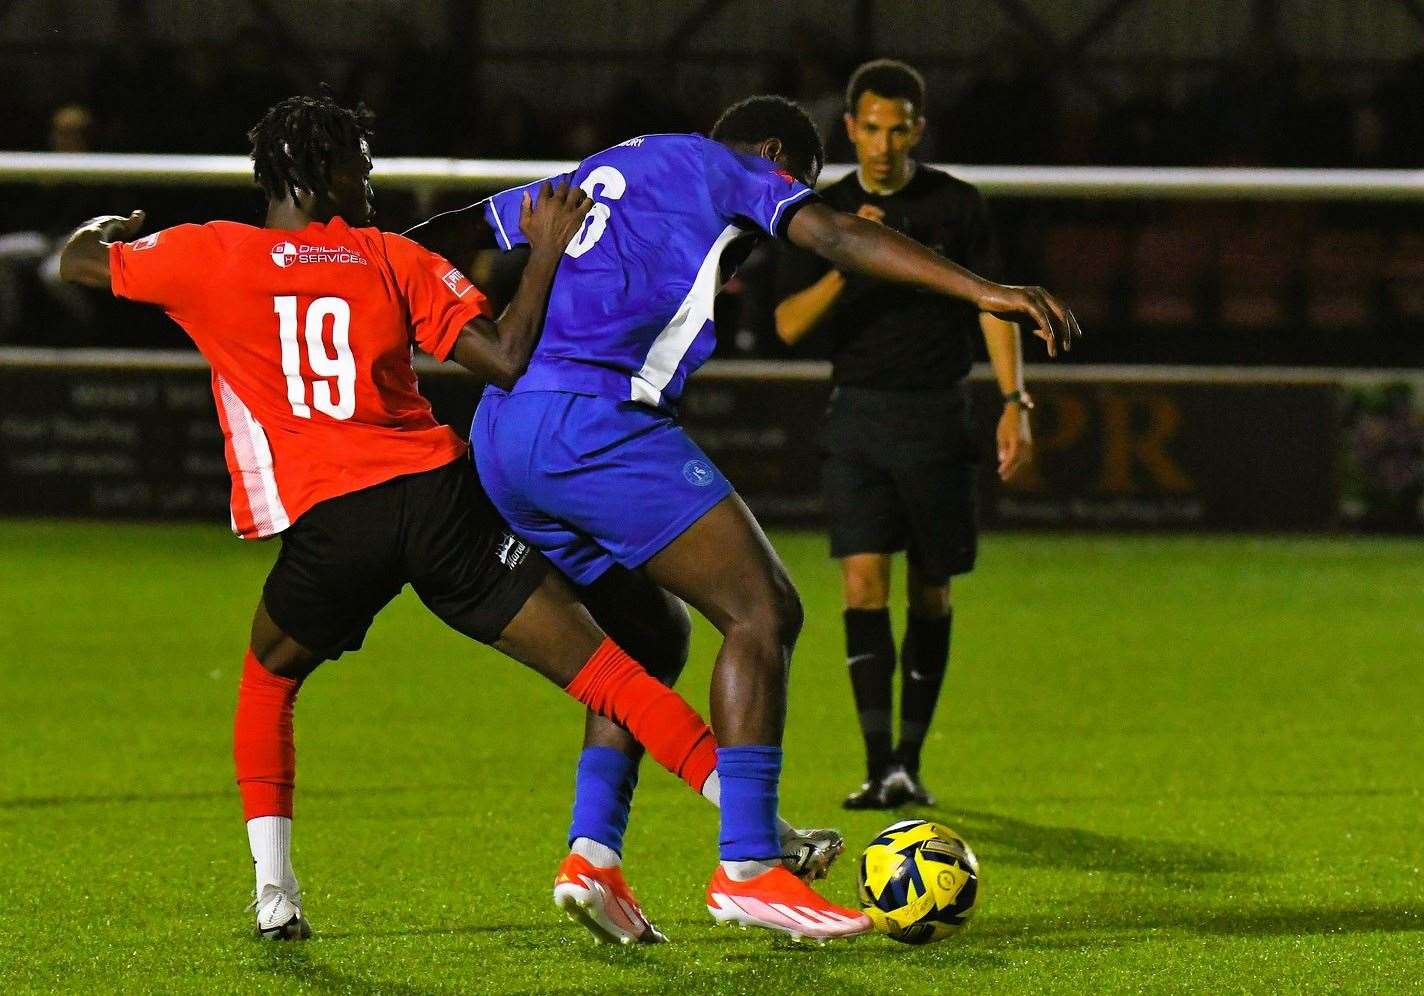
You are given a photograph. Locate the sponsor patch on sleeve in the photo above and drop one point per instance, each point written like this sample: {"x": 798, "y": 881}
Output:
{"x": 147, "y": 242}
{"x": 457, "y": 283}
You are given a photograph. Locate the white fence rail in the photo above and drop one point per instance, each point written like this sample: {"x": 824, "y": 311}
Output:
{"x": 425, "y": 175}
{"x": 40, "y": 358}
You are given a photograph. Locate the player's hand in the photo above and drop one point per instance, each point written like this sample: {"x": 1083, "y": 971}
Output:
{"x": 116, "y": 227}
{"x": 1050, "y": 318}
{"x": 1015, "y": 441}
{"x": 871, "y": 213}
{"x": 553, "y": 220}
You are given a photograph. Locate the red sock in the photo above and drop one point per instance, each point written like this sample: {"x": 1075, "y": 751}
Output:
{"x": 614, "y": 685}
{"x": 262, "y": 743}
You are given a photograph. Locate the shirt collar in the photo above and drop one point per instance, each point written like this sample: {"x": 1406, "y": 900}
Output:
{"x": 909, "y": 178}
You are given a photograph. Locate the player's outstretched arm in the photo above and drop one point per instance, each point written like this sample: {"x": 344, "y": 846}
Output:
{"x": 865, "y": 247}
{"x": 499, "y": 351}
{"x": 456, "y": 235}
{"x": 85, "y": 256}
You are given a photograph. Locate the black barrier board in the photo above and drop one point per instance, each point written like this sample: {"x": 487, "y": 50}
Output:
{"x": 111, "y": 443}
{"x": 1173, "y": 455}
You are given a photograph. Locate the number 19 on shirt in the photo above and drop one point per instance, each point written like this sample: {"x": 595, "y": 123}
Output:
{"x": 341, "y": 367}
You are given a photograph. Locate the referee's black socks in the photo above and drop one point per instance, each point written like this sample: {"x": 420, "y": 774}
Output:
{"x": 870, "y": 656}
{"x": 925, "y": 657}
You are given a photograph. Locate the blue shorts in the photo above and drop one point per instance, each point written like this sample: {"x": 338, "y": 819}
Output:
{"x": 591, "y": 481}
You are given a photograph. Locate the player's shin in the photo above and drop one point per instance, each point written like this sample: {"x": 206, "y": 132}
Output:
{"x": 749, "y": 843}
{"x": 264, "y": 753}
{"x": 614, "y": 685}
{"x": 603, "y": 796}
{"x": 925, "y": 658}
{"x": 870, "y": 657}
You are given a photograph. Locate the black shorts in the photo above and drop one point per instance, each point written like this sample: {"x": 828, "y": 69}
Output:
{"x": 899, "y": 474}
{"x": 346, "y": 557}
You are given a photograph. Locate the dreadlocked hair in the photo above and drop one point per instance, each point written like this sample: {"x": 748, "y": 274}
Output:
{"x": 295, "y": 142}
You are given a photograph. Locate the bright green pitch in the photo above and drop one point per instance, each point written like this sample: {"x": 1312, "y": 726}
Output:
{"x": 1185, "y": 764}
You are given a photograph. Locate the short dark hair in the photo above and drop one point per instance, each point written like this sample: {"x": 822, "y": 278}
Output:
{"x": 758, "y": 118}
{"x": 294, "y": 144}
{"x": 889, "y": 78}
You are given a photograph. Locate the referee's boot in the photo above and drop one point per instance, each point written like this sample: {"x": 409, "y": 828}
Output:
{"x": 902, "y": 787}
{"x": 870, "y": 795}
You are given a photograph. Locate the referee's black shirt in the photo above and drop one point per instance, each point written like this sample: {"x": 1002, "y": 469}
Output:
{"x": 891, "y": 336}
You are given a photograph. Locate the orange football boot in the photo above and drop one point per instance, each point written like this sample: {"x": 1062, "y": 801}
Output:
{"x": 599, "y": 899}
{"x": 778, "y": 900}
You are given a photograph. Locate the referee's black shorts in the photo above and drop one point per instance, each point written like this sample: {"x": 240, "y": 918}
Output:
{"x": 346, "y": 557}
{"x": 899, "y": 473}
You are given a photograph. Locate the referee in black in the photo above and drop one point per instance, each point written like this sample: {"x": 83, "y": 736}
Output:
{"x": 899, "y": 470}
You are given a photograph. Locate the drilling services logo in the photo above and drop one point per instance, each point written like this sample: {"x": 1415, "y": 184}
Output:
{"x": 284, "y": 254}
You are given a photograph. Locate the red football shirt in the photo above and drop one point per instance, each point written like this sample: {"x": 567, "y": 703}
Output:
{"x": 309, "y": 335}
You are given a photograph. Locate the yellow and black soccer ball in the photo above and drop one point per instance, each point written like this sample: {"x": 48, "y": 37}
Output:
{"x": 919, "y": 881}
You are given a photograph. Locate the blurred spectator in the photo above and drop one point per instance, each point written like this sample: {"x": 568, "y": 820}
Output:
{"x": 71, "y": 128}
{"x": 29, "y": 259}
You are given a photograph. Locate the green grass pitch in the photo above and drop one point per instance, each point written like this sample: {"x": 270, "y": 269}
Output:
{"x": 1187, "y": 764}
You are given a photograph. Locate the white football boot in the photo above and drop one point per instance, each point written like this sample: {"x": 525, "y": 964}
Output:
{"x": 279, "y": 914}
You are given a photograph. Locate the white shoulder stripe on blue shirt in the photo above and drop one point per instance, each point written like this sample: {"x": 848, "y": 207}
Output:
{"x": 776, "y": 214}
{"x": 503, "y": 236}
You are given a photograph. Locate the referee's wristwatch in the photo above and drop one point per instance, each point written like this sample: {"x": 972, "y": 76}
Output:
{"x": 1020, "y": 398}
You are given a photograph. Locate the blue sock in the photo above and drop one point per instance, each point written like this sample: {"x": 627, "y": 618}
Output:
{"x": 603, "y": 794}
{"x": 749, "y": 777}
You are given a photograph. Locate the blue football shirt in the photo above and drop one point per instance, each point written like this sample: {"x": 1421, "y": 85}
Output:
{"x": 630, "y": 313}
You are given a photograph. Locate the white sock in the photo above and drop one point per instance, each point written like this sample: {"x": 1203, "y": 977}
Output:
{"x": 270, "y": 838}
{"x": 596, "y": 854}
{"x": 740, "y": 871}
{"x": 712, "y": 792}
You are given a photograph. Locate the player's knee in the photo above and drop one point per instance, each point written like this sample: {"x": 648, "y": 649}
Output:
{"x": 929, "y": 603}
{"x": 865, "y": 589}
{"x": 787, "y": 611}
{"x": 924, "y": 598}
{"x": 771, "y": 621}
{"x": 285, "y": 658}
{"x": 865, "y": 595}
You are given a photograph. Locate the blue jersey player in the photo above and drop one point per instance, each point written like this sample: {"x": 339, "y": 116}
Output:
{"x": 586, "y": 460}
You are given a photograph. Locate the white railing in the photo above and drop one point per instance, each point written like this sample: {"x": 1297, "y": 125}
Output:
{"x": 425, "y": 175}
{"x": 41, "y": 358}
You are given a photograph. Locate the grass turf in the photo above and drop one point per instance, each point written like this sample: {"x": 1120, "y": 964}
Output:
{"x": 1185, "y": 763}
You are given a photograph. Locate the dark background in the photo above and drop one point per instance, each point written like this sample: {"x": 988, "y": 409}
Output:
{"x": 1183, "y": 82}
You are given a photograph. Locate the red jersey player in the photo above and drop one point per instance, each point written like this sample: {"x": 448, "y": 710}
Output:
{"x": 308, "y": 323}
